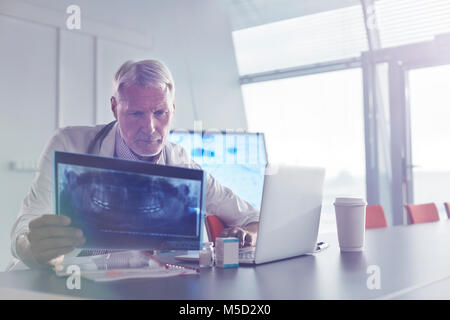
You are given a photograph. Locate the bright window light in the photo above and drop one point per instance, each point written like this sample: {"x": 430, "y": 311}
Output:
{"x": 430, "y": 133}
{"x": 314, "y": 120}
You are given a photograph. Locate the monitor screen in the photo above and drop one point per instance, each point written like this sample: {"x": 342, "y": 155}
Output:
{"x": 121, "y": 204}
{"x": 236, "y": 159}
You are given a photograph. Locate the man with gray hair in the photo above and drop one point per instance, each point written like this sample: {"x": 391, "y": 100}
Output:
{"x": 143, "y": 106}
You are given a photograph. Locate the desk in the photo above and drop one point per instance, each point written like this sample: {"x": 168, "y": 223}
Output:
{"x": 408, "y": 257}
{"x": 439, "y": 290}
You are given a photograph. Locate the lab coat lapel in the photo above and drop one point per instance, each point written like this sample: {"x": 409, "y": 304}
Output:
{"x": 162, "y": 160}
{"x": 108, "y": 144}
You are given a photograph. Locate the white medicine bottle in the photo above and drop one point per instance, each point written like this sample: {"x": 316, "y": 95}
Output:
{"x": 206, "y": 255}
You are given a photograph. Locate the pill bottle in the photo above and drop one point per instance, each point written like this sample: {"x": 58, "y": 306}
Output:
{"x": 206, "y": 255}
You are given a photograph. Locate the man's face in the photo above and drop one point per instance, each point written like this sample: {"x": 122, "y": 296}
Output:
{"x": 144, "y": 116}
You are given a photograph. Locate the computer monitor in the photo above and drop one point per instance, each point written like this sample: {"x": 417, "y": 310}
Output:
{"x": 122, "y": 204}
{"x": 236, "y": 159}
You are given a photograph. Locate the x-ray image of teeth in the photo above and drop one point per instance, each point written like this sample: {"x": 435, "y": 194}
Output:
{"x": 122, "y": 202}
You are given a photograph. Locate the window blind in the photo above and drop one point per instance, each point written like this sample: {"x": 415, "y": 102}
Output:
{"x": 325, "y": 36}
{"x": 409, "y": 21}
{"x": 337, "y": 34}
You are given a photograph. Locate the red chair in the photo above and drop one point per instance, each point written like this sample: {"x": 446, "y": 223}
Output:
{"x": 421, "y": 213}
{"x": 214, "y": 228}
{"x": 447, "y": 208}
{"x": 375, "y": 217}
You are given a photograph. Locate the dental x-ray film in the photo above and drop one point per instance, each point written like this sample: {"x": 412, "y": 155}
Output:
{"x": 130, "y": 204}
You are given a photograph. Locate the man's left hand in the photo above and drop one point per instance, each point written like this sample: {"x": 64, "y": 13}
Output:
{"x": 246, "y": 235}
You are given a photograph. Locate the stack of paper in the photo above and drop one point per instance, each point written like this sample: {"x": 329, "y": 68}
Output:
{"x": 120, "y": 265}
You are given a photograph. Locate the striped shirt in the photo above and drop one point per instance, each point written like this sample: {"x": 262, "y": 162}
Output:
{"x": 124, "y": 152}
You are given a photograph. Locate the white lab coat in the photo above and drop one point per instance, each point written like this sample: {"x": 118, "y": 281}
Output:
{"x": 220, "y": 201}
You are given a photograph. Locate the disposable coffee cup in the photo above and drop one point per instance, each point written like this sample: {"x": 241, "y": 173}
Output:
{"x": 351, "y": 223}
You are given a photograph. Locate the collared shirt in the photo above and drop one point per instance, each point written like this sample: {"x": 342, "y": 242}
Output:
{"x": 121, "y": 150}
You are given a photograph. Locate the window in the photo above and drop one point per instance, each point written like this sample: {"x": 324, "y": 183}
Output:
{"x": 337, "y": 34}
{"x": 325, "y": 36}
{"x": 317, "y": 118}
{"x": 430, "y": 133}
{"x": 314, "y": 120}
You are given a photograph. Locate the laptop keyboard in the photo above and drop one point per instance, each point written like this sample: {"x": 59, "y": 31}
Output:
{"x": 247, "y": 253}
{"x": 96, "y": 252}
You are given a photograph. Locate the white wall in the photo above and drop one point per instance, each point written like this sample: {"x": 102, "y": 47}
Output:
{"x": 51, "y": 76}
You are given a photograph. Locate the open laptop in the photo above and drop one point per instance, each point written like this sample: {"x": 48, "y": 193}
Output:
{"x": 289, "y": 216}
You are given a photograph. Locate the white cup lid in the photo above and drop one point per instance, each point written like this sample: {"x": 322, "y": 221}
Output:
{"x": 350, "y": 202}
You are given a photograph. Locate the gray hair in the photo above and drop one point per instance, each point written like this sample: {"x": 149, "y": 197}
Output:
{"x": 145, "y": 73}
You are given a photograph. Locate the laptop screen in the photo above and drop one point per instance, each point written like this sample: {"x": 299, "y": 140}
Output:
{"x": 236, "y": 159}
{"x": 130, "y": 204}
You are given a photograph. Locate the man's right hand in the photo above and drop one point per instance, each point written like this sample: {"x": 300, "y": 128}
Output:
{"x": 50, "y": 237}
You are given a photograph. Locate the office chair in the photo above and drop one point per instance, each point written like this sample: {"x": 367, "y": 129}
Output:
{"x": 375, "y": 217}
{"x": 421, "y": 213}
{"x": 214, "y": 228}
{"x": 447, "y": 208}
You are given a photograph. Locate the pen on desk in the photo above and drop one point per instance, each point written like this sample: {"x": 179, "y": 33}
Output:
{"x": 170, "y": 265}
{"x": 112, "y": 273}
{"x": 176, "y": 266}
